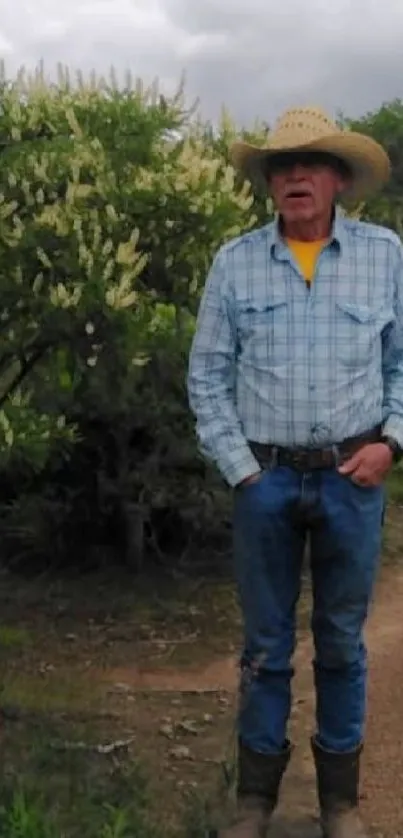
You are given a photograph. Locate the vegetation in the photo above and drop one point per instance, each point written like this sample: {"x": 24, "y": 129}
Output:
{"x": 112, "y": 203}
{"x": 74, "y": 794}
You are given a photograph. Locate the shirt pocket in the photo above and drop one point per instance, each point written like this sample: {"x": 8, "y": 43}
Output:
{"x": 357, "y": 333}
{"x": 262, "y": 331}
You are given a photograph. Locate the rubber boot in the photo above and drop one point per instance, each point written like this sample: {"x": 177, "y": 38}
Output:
{"x": 259, "y": 778}
{"x": 338, "y": 792}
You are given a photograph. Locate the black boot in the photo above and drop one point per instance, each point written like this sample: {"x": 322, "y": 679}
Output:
{"x": 338, "y": 785}
{"x": 259, "y": 778}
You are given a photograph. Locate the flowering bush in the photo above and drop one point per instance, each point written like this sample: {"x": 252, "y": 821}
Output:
{"x": 112, "y": 204}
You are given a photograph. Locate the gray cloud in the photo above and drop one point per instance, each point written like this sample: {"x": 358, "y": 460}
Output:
{"x": 254, "y": 56}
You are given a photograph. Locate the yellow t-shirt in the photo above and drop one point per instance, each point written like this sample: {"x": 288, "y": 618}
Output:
{"x": 306, "y": 255}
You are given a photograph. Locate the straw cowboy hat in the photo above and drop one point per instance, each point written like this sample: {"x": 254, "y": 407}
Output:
{"x": 310, "y": 129}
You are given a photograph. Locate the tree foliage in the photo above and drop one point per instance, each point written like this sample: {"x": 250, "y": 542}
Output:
{"x": 386, "y": 127}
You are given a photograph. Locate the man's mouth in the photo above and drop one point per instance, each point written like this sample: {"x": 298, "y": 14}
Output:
{"x": 298, "y": 193}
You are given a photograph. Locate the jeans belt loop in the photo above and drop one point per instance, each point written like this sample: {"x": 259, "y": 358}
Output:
{"x": 273, "y": 457}
{"x": 336, "y": 455}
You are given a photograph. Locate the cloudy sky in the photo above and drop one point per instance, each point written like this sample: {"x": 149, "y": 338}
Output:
{"x": 256, "y": 56}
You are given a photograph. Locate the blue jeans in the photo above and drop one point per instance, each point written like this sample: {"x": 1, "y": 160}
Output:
{"x": 271, "y": 521}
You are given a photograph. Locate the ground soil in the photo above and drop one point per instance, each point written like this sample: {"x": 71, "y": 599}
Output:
{"x": 163, "y": 675}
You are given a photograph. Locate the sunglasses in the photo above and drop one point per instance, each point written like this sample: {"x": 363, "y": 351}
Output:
{"x": 285, "y": 161}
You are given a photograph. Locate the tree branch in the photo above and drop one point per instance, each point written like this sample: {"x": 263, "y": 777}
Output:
{"x": 26, "y": 366}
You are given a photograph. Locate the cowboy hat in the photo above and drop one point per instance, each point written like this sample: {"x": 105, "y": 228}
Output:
{"x": 310, "y": 129}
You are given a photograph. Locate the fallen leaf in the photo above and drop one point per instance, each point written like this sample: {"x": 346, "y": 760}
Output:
{"x": 180, "y": 752}
{"x": 167, "y": 730}
{"x": 108, "y": 748}
{"x": 188, "y": 727}
{"x": 122, "y": 688}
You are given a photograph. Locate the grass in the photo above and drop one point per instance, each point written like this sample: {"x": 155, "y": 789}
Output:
{"x": 78, "y": 796}
{"x": 50, "y": 786}
{"x": 11, "y": 636}
{"x": 395, "y": 485}
{"x": 25, "y": 818}
{"x": 54, "y": 792}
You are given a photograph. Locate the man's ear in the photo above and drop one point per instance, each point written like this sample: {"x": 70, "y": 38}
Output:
{"x": 343, "y": 183}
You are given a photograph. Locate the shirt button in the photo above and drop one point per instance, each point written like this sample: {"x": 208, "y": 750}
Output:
{"x": 312, "y": 387}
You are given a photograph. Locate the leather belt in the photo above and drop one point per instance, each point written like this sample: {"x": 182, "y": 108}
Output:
{"x": 311, "y": 459}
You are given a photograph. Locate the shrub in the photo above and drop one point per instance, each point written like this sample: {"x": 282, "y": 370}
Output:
{"x": 112, "y": 204}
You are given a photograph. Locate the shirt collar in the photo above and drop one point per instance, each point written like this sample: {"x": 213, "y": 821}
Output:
{"x": 278, "y": 246}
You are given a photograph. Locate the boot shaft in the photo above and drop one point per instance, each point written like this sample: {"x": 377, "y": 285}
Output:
{"x": 259, "y": 778}
{"x": 261, "y": 774}
{"x": 338, "y": 775}
{"x": 338, "y": 778}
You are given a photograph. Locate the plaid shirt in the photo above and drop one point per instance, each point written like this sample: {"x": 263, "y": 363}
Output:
{"x": 274, "y": 361}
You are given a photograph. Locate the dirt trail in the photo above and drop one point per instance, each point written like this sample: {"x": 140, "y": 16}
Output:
{"x": 383, "y": 759}
{"x": 383, "y": 763}
{"x": 383, "y": 766}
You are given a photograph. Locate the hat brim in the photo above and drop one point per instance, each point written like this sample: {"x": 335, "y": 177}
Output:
{"x": 367, "y": 161}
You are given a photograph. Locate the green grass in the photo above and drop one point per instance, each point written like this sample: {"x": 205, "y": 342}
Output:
{"x": 22, "y": 818}
{"x": 12, "y": 637}
{"x": 25, "y": 817}
{"x": 395, "y": 485}
{"x": 55, "y": 692}
{"x": 50, "y": 791}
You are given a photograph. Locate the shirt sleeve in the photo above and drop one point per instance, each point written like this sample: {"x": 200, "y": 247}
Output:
{"x": 393, "y": 360}
{"x": 212, "y": 380}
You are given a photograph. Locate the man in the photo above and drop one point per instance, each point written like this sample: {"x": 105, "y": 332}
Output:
{"x": 296, "y": 380}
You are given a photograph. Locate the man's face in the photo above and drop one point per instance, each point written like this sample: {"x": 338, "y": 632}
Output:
{"x": 305, "y": 185}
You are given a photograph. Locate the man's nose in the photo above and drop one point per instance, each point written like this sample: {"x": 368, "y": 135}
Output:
{"x": 298, "y": 172}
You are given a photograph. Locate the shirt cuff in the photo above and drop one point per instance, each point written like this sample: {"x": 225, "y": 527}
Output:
{"x": 238, "y": 468}
{"x": 393, "y": 427}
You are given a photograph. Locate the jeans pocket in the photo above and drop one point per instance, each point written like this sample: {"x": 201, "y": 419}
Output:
{"x": 244, "y": 486}
{"x": 266, "y": 470}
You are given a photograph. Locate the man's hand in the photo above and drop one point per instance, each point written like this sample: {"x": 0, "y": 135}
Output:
{"x": 370, "y": 465}
{"x": 253, "y": 478}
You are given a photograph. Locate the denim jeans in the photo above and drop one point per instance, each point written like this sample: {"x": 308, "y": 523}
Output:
{"x": 272, "y": 519}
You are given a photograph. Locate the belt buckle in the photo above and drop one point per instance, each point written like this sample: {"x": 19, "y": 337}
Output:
{"x": 317, "y": 458}
{"x": 299, "y": 458}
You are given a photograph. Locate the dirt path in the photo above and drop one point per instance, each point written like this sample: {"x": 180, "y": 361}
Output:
{"x": 383, "y": 760}
{"x": 383, "y": 768}
{"x": 383, "y": 763}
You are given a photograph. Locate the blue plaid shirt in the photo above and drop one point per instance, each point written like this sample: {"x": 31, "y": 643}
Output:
{"x": 274, "y": 361}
